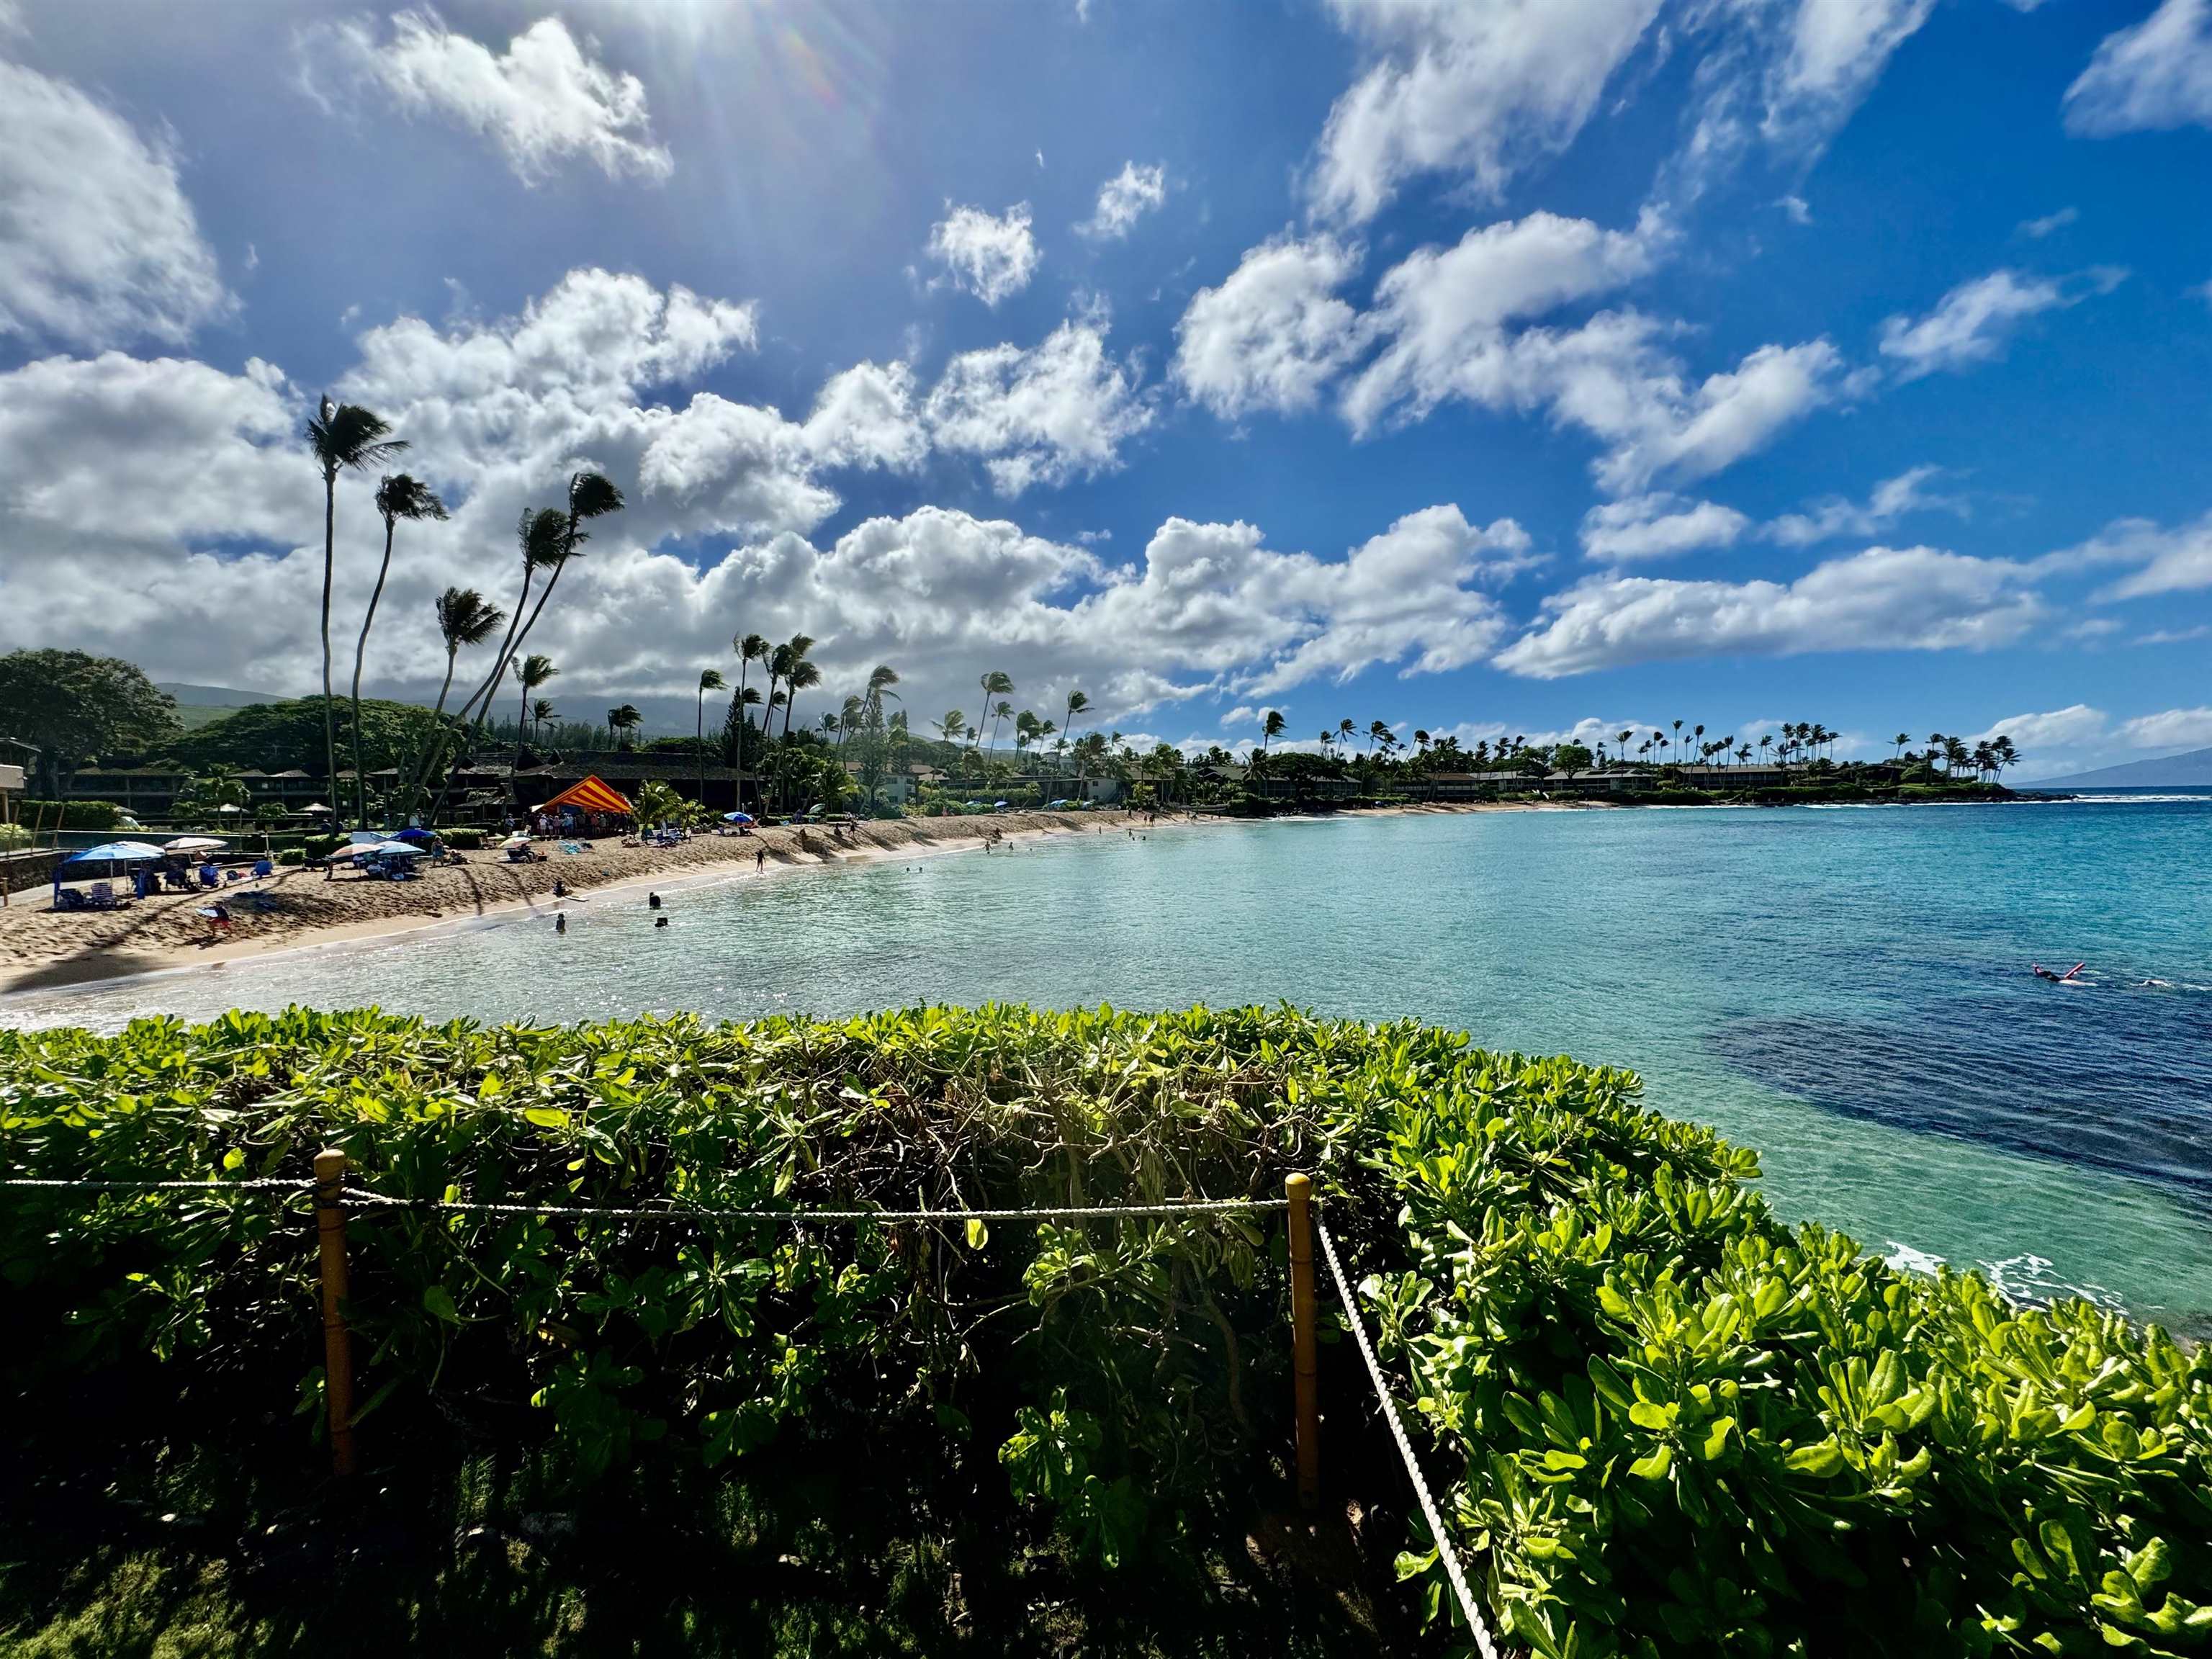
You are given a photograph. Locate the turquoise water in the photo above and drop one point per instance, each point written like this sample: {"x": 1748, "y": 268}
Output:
{"x": 1847, "y": 990}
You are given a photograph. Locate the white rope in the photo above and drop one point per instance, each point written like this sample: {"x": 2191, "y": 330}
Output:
{"x": 1189, "y": 1207}
{"x": 1453, "y": 1570}
{"x": 212, "y": 1184}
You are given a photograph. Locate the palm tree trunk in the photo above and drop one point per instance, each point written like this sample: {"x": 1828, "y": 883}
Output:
{"x": 329, "y": 726}
{"x": 478, "y": 702}
{"x": 360, "y": 650}
{"x": 699, "y": 739}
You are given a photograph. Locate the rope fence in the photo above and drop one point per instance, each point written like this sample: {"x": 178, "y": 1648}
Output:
{"x": 333, "y": 1185}
{"x": 1453, "y": 1570}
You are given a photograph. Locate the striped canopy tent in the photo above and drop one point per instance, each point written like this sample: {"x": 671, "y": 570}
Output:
{"x": 589, "y": 796}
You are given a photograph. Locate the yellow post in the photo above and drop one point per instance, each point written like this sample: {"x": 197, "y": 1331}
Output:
{"x": 1304, "y": 1365}
{"x": 337, "y": 1346}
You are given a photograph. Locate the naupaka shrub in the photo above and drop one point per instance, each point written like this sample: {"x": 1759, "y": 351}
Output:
{"x": 1662, "y": 1422}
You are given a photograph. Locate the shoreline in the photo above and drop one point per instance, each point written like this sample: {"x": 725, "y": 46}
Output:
{"x": 42, "y": 950}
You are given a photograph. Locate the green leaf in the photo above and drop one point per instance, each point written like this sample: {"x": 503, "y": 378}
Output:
{"x": 1654, "y": 1466}
{"x": 978, "y": 1234}
{"x": 438, "y": 1302}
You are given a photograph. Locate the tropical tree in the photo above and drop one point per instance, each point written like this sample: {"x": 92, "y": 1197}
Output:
{"x": 533, "y": 671}
{"x": 463, "y": 619}
{"x": 1678, "y": 740}
{"x": 1077, "y": 704}
{"x": 345, "y": 438}
{"x": 397, "y": 497}
{"x": 623, "y": 720}
{"x": 1271, "y": 727}
{"x": 710, "y": 679}
{"x": 953, "y": 726}
{"x": 996, "y": 683}
{"x": 73, "y": 706}
{"x": 540, "y": 712}
{"x": 1346, "y": 733}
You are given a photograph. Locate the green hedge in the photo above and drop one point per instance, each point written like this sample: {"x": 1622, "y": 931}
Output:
{"x": 1662, "y": 1422}
{"x": 74, "y": 814}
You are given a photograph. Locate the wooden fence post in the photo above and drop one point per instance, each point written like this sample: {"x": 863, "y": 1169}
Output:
{"x": 1304, "y": 1365}
{"x": 338, "y": 1345}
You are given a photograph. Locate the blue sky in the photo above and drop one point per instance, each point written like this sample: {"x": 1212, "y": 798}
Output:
{"x": 1500, "y": 367}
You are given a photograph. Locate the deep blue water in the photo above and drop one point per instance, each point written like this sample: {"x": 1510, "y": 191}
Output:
{"x": 1847, "y": 990}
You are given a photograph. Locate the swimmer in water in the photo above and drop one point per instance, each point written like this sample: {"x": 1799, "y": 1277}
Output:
{"x": 653, "y": 900}
{"x": 660, "y": 921}
{"x": 561, "y": 922}
{"x": 2042, "y": 972}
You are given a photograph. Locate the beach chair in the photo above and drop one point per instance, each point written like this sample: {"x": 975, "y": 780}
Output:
{"x": 101, "y": 897}
{"x": 263, "y": 867}
{"x": 68, "y": 898}
{"x": 208, "y": 876}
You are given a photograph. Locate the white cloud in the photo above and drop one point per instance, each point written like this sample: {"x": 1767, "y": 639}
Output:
{"x": 2172, "y": 729}
{"x": 2172, "y": 560}
{"x": 992, "y": 259}
{"x": 1125, "y": 197}
{"x": 542, "y": 101}
{"x": 1272, "y": 335}
{"x": 1444, "y": 319}
{"x": 1835, "y": 516}
{"x": 2155, "y": 74}
{"x": 1058, "y": 411}
{"x": 864, "y": 417}
{"x": 98, "y": 244}
{"x": 1915, "y": 599}
{"x": 1837, "y": 50}
{"x": 2037, "y": 229}
{"x": 2074, "y": 727}
{"x": 1971, "y": 324}
{"x": 1658, "y": 526}
{"x": 1442, "y": 312}
{"x": 1477, "y": 90}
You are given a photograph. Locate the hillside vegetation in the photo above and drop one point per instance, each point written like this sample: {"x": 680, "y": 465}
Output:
{"x": 1660, "y": 1421}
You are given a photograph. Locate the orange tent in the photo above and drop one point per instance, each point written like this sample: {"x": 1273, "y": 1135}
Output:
{"x": 589, "y": 796}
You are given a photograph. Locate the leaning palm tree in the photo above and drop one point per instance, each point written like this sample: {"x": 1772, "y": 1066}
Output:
{"x": 953, "y": 726}
{"x": 996, "y": 683}
{"x": 623, "y": 720}
{"x": 1271, "y": 727}
{"x": 540, "y": 712}
{"x": 397, "y": 497}
{"x": 710, "y": 679}
{"x": 590, "y": 496}
{"x": 1077, "y": 704}
{"x": 533, "y": 671}
{"x": 464, "y": 619}
{"x": 345, "y": 437}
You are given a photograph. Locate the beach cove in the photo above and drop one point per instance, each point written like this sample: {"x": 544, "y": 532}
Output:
{"x": 1846, "y": 991}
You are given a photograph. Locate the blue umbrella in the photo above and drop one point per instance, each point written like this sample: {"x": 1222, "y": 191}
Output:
{"x": 737, "y": 817}
{"x": 116, "y": 852}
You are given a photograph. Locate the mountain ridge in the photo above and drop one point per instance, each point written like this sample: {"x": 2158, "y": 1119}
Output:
{"x": 2190, "y": 769}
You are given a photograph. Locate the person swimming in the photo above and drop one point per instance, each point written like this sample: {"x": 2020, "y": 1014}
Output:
{"x": 2055, "y": 978}
{"x": 561, "y": 922}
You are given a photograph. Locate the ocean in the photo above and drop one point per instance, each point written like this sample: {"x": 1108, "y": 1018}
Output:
{"x": 1847, "y": 990}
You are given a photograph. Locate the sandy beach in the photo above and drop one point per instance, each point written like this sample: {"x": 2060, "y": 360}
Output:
{"x": 41, "y": 947}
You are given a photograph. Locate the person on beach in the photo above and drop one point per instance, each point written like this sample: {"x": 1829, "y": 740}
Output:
{"x": 760, "y": 860}
{"x": 653, "y": 900}
{"x": 560, "y": 888}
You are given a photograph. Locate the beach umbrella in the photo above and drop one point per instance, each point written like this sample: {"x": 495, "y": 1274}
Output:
{"x": 116, "y": 852}
{"x": 395, "y": 849}
{"x": 195, "y": 844}
{"x": 737, "y": 817}
{"x": 419, "y": 837}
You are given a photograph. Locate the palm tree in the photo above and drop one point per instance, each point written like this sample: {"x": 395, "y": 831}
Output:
{"x": 1622, "y": 739}
{"x": 1005, "y": 711}
{"x": 540, "y": 712}
{"x": 1898, "y": 751}
{"x": 996, "y": 683}
{"x": 1270, "y": 729}
{"x": 1764, "y": 743}
{"x": 2006, "y": 755}
{"x": 710, "y": 679}
{"x": 1934, "y": 747}
{"x": 1346, "y": 732}
{"x": 397, "y": 497}
{"x": 1678, "y": 740}
{"x": 1955, "y": 754}
{"x": 590, "y": 496}
{"x": 623, "y": 721}
{"x": 345, "y": 437}
{"x": 800, "y": 672}
{"x": 1077, "y": 704}
{"x": 464, "y": 619}
{"x": 953, "y": 726}
{"x": 533, "y": 672}
{"x": 750, "y": 648}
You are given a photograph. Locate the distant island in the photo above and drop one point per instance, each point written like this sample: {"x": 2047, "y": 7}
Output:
{"x": 2190, "y": 770}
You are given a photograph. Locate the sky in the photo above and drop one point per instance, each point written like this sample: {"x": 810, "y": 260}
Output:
{"x": 1495, "y": 367}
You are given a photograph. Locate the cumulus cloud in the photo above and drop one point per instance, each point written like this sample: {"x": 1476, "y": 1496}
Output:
{"x": 1658, "y": 526}
{"x": 2171, "y": 728}
{"x": 1274, "y": 333}
{"x": 1125, "y": 197}
{"x": 1917, "y": 598}
{"x": 1836, "y": 516}
{"x": 1446, "y": 325}
{"x": 1054, "y": 411}
{"x": 2151, "y": 75}
{"x": 866, "y": 417}
{"x": 2036, "y": 229}
{"x": 543, "y": 101}
{"x": 1971, "y": 322}
{"x": 98, "y": 244}
{"x": 1442, "y": 312}
{"x": 1477, "y": 91}
{"x": 990, "y": 257}
{"x": 2075, "y": 726}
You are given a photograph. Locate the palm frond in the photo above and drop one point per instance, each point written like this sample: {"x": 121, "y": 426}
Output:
{"x": 349, "y": 436}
